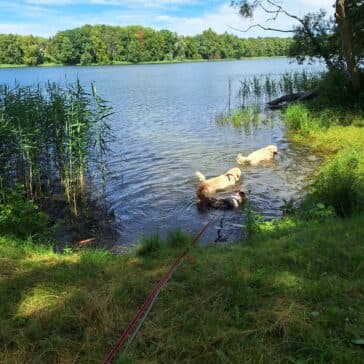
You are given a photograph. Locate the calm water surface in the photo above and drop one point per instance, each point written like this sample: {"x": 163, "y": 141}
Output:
{"x": 165, "y": 130}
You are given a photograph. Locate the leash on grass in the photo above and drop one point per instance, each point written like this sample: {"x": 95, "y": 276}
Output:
{"x": 134, "y": 325}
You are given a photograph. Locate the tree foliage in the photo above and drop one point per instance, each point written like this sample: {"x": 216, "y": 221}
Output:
{"x": 337, "y": 38}
{"x": 103, "y": 44}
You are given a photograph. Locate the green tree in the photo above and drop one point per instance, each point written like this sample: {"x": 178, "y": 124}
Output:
{"x": 62, "y": 49}
{"x": 133, "y": 51}
{"x": 33, "y": 54}
{"x": 107, "y": 44}
{"x": 10, "y": 49}
{"x": 318, "y": 36}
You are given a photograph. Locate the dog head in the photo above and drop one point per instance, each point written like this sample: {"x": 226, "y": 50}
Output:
{"x": 236, "y": 172}
{"x": 273, "y": 150}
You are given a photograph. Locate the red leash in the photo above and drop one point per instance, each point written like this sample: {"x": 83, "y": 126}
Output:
{"x": 146, "y": 306}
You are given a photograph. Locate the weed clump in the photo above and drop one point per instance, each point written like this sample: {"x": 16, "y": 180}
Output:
{"x": 177, "y": 238}
{"x": 244, "y": 116}
{"x": 151, "y": 244}
{"x": 340, "y": 185}
{"x": 297, "y": 117}
{"x": 148, "y": 245}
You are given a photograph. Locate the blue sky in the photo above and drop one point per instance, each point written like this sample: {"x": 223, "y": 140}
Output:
{"x": 46, "y": 17}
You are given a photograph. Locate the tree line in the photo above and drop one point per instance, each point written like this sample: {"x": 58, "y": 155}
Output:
{"x": 104, "y": 44}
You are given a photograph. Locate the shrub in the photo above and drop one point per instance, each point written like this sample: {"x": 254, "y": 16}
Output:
{"x": 19, "y": 216}
{"x": 340, "y": 185}
{"x": 335, "y": 87}
{"x": 313, "y": 210}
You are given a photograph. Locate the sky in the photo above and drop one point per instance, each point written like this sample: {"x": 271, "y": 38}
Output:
{"x": 187, "y": 17}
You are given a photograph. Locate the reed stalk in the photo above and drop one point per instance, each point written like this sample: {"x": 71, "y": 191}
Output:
{"x": 51, "y": 137}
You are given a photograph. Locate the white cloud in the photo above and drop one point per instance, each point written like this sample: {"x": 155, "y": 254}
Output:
{"x": 46, "y": 21}
{"x": 224, "y": 19}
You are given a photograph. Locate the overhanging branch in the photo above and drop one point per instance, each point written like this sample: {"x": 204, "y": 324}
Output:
{"x": 261, "y": 27}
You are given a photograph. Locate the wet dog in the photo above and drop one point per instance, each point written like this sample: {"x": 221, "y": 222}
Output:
{"x": 208, "y": 187}
{"x": 228, "y": 202}
{"x": 261, "y": 155}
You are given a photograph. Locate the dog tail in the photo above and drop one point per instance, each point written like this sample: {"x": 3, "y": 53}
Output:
{"x": 200, "y": 176}
{"x": 240, "y": 159}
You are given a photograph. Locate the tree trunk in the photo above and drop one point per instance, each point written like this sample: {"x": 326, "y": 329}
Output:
{"x": 352, "y": 67}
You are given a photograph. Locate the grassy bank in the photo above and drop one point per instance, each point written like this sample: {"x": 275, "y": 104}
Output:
{"x": 337, "y": 135}
{"x": 288, "y": 295}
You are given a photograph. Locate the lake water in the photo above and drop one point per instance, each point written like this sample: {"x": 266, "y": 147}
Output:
{"x": 165, "y": 131}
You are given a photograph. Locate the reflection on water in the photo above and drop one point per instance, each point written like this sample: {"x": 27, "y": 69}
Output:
{"x": 165, "y": 130}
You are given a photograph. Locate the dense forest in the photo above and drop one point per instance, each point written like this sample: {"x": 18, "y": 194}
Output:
{"x": 105, "y": 44}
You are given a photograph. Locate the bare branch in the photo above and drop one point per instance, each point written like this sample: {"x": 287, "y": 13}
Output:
{"x": 261, "y": 27}
{"x": 281, "y": 10}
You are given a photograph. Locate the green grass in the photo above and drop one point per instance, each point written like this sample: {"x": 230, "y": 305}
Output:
{"x": 148, "y": 245}
{"x": 337, "y": 134}
{"x": 4, "y": 65}
{"x": 288, "y": 295}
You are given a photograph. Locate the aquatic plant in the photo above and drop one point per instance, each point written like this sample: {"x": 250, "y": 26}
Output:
{"x": 49, "y": 137}
{"x": 241, "y": 117}
{"x": 260, "y": 89}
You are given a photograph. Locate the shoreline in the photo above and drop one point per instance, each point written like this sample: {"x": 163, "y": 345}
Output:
{"x": 7, "y": 66}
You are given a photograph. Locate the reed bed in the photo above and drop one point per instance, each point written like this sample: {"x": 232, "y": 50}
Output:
{"x": 50, "y": 135}
{"x": 254, "y": 92}
{"x": 240, "y": 117}
{"x": 260, "y": 89}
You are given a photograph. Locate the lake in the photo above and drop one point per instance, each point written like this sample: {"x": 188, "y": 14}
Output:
{"x": 165, "y": 130}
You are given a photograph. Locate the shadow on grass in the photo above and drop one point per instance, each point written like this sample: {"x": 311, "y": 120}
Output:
{"x": 285, "y": 296}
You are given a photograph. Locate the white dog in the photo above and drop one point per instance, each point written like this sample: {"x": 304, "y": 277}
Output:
{"x": 264, "y": 154}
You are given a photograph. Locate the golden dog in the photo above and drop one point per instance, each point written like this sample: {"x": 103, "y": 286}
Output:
{"x": 208, "y": 187}
{"x": 261, "y": 155}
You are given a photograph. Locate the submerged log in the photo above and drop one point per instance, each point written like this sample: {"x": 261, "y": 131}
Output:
{"x": 288, "y": 99}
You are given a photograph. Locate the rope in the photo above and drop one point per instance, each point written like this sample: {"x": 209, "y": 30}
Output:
{"x": 134, "y": 325}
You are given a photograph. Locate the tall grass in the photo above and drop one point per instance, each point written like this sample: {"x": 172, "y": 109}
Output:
{"x": 255, "y": 91}
{"x": 340, "y": 184}
{"x": 297, "y": 117}
{"x": 259, "y": 89}
{"x": 335, "y": 133}
{"x": 49, "y": 137}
